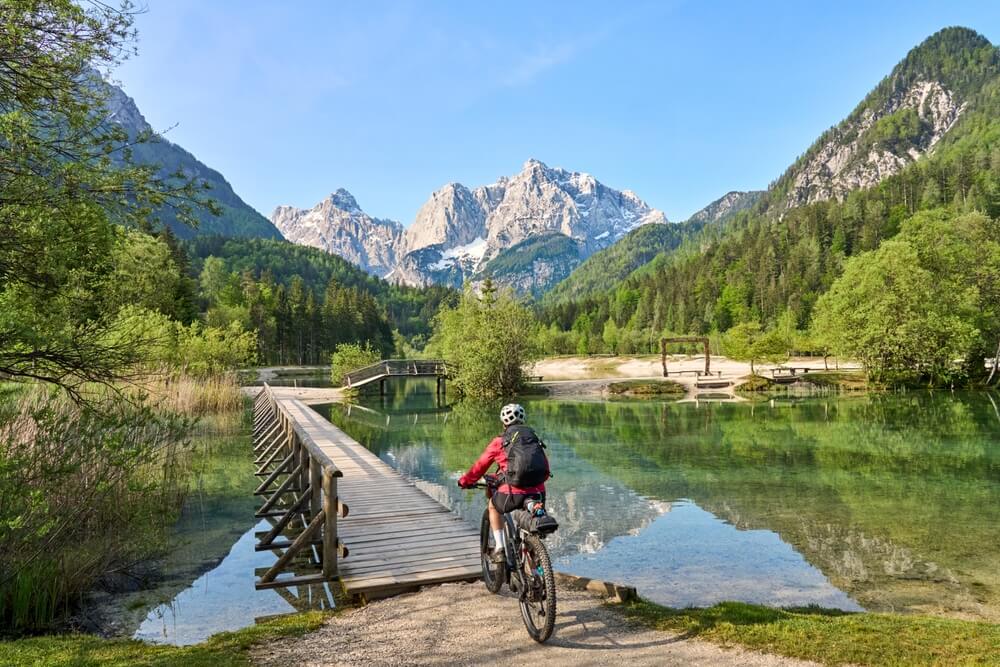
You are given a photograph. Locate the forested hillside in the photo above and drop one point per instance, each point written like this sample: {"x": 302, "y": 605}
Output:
{"x": 771, "y": 264}
{"x": 607, "y": 268}
{"x": 303, "y": 301}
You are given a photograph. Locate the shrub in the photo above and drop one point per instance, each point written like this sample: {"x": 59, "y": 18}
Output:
{"x": 486, "y": 341}
{"x": 350, "y": 357}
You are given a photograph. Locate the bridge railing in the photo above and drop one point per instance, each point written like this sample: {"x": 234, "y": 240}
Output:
{"x": 397, "y": 368}
{"x": 299, "y": 492}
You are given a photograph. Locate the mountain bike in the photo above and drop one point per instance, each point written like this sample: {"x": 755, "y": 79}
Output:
{"x": 527, "y": 568}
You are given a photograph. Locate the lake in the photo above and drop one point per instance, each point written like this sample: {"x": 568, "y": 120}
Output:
{"x": 887, "y": 502}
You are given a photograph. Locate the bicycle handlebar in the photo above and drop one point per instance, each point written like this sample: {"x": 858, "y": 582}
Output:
{"x": 491, "y": 482}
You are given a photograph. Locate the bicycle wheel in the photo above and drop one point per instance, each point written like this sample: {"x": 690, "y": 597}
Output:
{"x": 538, "y": 604}
{"x": 493, "y": 573}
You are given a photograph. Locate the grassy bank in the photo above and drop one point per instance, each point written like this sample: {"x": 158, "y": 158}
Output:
{"x": 831, "y": 637}
{"x": 755, "y": 383}
{"x": 840, "y": 380}
{"x": 647, "y": 388}
{"x": 846, "y": 381}
{"x": 221, "y": 650}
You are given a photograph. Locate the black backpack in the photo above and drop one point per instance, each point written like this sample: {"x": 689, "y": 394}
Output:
{"x": 527, "y": 464}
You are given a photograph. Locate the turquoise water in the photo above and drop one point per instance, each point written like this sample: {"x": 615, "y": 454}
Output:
{"x": 882, "y": 502}
{"x": 224, "y": 598}
{"x": 205, "y": 584}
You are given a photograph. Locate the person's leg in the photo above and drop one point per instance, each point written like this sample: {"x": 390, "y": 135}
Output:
{"x": 496, "y": 521}
{"x": 497, "y": 506}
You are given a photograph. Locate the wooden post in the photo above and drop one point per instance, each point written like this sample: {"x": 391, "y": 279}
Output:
{"x": 663, "y": 356}
{"x": 330, "y": 525}
{"x": 303, "y": 467}
{"x": 316, "y": 487}
{"x": 381, "y": 387}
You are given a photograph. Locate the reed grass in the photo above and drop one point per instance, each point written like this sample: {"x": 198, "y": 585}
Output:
{"x": 195, "y": 396}
{"x": 88, "y": 491}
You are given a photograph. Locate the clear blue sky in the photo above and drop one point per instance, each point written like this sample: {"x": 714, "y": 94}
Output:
{"x": 678, "y": 101}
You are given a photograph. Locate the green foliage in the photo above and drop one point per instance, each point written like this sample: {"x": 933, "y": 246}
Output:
{"x": 898, "y": 131}
{"x": 193, "y": 349}
{"x": 350, "y": 357}
{"x": 910, "y": 308}
{"x": 747, "y": 341}
{"x": 229, "y": 216}
{"x": 66, "y": 176}
{"x": 486, "y": 342}
{"x": 830, "y": 636}
{"x": 841, "y": 380}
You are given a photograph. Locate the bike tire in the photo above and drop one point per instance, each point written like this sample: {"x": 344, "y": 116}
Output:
{"x": 539, "y": 615}
{"x": 493, "y": 573}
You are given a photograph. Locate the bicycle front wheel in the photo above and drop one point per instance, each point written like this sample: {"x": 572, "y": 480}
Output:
{"x": 538, "y": 603}
{"x": 493, "y": 573}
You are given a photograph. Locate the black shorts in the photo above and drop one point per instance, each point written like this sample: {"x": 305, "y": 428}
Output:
{"x": 509, "y": 502}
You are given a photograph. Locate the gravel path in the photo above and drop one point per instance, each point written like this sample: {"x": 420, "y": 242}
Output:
{"x": 462, "y": 624}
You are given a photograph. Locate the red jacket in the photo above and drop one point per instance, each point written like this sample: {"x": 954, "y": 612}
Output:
{"x": 494, "y": 453}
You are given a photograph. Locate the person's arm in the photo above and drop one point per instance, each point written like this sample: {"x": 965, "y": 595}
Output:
{"x": 482, "y": 464}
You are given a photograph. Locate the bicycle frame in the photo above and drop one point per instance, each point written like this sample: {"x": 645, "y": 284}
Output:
{"x": 513, "y": 558}
{"x": 525, "y": 567}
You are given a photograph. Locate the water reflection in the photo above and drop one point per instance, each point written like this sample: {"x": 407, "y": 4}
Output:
{"x": 691, "y": 558}
{"x": 894, "y": 500}
{"x": 224, "y": 598}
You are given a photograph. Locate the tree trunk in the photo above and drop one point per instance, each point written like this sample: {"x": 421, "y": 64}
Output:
{"x": 996, "y": 362}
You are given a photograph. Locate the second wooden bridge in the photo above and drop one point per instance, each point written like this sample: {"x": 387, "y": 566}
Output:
{"x": 339, "y": 513}
{"x": 391, "y": 368}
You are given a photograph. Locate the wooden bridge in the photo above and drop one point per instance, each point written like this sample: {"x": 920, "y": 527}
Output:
{"x": 339, "y": 513}
{"x": 389, "y": 368}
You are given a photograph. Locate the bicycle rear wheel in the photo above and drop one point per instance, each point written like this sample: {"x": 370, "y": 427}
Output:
{"x": 493, "y": 573}
{"x": 538, "y": 603}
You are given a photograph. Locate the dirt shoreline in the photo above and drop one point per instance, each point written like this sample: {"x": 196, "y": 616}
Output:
{"x": 462, "y": 624}
{"x": 586, "y": 376}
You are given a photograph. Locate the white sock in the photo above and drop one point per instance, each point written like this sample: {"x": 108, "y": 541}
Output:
{"x": 498, "y": 539}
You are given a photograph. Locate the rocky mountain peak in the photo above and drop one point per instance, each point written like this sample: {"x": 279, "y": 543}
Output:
{"x": 460, "y": 231}
{"x": 122, "y": 109}
{"x": 339, "y": 226}
{"x": 726, "y": 206}
{"x": 902, "y": 119}
{"x": 345, "y": 201}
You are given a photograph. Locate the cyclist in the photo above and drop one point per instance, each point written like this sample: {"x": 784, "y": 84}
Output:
{"x": 520, "y": 456}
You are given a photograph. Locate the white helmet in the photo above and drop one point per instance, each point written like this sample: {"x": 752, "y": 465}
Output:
{"x": 512, "y": 413}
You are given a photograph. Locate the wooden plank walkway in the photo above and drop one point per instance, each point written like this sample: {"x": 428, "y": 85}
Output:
{"x": 398, "y": 537}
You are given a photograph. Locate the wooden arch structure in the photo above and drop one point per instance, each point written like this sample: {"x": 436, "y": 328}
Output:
{"x": 683, "y": 339}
